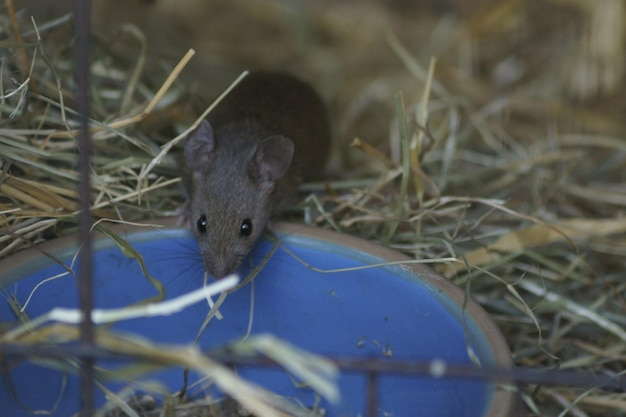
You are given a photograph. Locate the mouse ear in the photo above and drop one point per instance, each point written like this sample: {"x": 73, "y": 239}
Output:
{"x": 273, "y": 157}
{"x": 198, "y": 147}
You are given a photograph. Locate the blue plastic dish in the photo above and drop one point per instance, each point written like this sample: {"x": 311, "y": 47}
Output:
{"x": 397, "y": 312}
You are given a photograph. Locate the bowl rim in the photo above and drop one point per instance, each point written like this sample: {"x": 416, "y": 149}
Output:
{"x": 503, "y": 401}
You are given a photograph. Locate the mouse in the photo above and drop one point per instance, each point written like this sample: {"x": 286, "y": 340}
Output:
{"x": 246, "y": 160}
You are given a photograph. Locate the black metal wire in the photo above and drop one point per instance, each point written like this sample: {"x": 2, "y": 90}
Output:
{"x": 82, "y": 17}
{"x": 365, "y": 366}
{"x": 372, "y": 393}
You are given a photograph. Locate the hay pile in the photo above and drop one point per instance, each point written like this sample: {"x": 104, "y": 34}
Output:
{"x": 509, "y": 157}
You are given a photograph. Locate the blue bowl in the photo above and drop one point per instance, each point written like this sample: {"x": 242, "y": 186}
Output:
{"x": 398, "y": 312}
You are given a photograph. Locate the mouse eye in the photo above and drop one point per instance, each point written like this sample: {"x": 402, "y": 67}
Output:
{"x": 246, "y": 227}
{"x": 201, "y": 224}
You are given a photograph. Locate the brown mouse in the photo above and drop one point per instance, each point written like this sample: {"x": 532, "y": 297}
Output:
{"x": 247, "y": 159}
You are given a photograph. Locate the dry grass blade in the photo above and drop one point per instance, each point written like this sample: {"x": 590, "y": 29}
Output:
{"x": 129, "y": 251}
{"x": 145, "y": 309}
{"x": 257, "y": 400}
{"x": 538, "y": 235}
{"x": 39, "y": 165}
{"x": 418, "y": 138}
{"x": 315, "y": 371}
{"x": 576, "y": 309}
{"x": 406, "y": 164}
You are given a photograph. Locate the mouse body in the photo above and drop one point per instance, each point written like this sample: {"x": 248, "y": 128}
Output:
{"x": 247, "y": 159}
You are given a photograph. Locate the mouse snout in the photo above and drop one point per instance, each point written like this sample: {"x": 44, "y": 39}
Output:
{"x": 220, "y": 268}
{"x": 220, "y": 273}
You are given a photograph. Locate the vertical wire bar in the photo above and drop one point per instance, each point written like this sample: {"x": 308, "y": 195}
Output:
{"x": 82, "y": 15}
{"x": 372, "y": 394}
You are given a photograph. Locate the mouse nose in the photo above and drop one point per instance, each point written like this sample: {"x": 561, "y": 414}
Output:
{"x": 221, "y": 269}
{"x": 220, "y": 260}
{"x": 219, "y": 275}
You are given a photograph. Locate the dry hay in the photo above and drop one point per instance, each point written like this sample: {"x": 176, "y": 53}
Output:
{"x": 516, "y": 169}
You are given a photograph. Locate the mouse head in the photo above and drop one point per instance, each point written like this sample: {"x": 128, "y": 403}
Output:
{"x": 234, "y": 176}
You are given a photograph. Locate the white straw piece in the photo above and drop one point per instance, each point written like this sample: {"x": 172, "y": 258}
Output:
{"x": 163, "y": 308}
